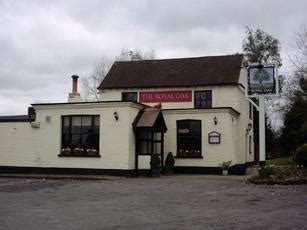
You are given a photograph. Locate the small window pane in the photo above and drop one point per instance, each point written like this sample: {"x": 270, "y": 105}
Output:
{"x": 157, "y": 136}
{"x": 76, "y": 121}
{"x": 76, "y": 124}
{"x": 76, "y": 140}
{"x": 96, "y": 141}
{"x": 66, "y": 141}
{"x": 96, "y": 121}
{"x": 86, "y": 124}
{"x": 86, "y": 121}
{"x": 87, "y": 140}
{"x": 144, "y": 147}
{"x": 66, "y": 125}
{"x": 145, "y": 134}
{"x": 157, "y": 148}
{"x": 65, "y": 121}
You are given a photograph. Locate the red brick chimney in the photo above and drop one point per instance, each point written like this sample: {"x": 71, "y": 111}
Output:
{"x": 74, "y": 96}
{"x": 74, "y": 83}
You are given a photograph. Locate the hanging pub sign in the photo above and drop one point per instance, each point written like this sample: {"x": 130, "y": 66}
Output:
{"x": 261, "y": 80}
{"x": 165, "y": 96}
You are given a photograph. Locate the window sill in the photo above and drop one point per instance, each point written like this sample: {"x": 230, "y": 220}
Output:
{"x": 79, "y": 155}
{"x": 189, "y": 157}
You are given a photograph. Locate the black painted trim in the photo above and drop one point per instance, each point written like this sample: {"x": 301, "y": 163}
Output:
{"x": 81, "y": 155}
{"x": 182, "y": 157}
{"x": 233, "y": 170}
{"x": 66, "y": 171}
{"x": 198, "y": 170}
{"x": 15, "y": 118}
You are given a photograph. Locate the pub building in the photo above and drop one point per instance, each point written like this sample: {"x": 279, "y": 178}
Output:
{"x": 194, "y": 108}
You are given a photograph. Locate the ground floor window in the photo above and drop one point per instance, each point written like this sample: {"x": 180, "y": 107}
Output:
{"x": 80, "y": 135}
{"x": 189, "y": 138}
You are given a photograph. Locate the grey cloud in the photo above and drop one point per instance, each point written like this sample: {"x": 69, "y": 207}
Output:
{"x": 44, "y": 42}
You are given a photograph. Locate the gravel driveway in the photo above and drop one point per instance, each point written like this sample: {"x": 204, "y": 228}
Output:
{"x": 176, "y": 202}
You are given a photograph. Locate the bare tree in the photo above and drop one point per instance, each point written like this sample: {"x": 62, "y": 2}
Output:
{"x": 291, "y": 84}
{"x": 130, "y": 55}
{"x": 90, "y": 83}
{"x": 299, "y": 59}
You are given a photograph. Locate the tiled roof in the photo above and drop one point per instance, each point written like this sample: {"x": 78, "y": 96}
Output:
{"x": 151, "y": 118}
{"x": 199, "y": 71}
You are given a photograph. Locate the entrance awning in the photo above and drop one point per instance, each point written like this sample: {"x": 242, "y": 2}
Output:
{"x": 149, "y": 127}
{"x": 150, "y": 118}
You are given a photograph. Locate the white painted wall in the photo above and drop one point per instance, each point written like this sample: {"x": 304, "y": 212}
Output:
{"x": 222, "y": 96}
{"x": 213, "y": 154}
{"x": 22, "y": 145}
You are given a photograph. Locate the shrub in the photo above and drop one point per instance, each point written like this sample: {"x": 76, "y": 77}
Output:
{"x": 281, "y": 173}
{"x": 225, "y": 165}
{"x": 266, "y": 172}
{"x": 169, "y": 161}
{"x": 155, "y": 161}
{"x": 300, "y": 156}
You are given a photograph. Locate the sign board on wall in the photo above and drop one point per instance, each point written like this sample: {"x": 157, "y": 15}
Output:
{"x": 165, "y": 96}
{"x": 261, "y": 80}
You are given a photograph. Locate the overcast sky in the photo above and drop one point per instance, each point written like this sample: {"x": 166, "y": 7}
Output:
{"x": 43, "y": 43}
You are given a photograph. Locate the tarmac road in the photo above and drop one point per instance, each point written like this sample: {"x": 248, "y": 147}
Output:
{"x": 175, "y": 202}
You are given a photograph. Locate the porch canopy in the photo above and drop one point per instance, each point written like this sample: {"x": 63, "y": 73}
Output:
{"x": 149, "y": 127}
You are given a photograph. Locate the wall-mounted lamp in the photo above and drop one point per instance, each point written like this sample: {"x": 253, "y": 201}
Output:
{"x": 215, "y": 120}
{"x": 249, "y": 127}
{"x": 115, "y": 115}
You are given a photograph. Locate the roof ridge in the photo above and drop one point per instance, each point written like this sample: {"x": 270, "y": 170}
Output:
{"x": 180, "y": 58}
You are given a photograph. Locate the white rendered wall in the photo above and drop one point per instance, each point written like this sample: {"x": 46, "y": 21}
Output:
{"x": 213, "y": 154}
{"x": 222, "y": 96}
{"x": 22, "y": 145}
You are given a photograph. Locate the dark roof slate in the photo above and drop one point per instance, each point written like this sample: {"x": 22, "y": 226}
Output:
{"x": 199, "y": 71}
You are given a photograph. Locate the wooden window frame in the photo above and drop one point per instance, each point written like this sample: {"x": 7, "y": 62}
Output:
{"x": 207, "y": 102}
{"x": 189, "y": 153}
{"x": 135, "y": 94}
{"x": 81, "y": 150}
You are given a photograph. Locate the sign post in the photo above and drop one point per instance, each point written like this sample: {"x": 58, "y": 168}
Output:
{"x": 261, "y": 130}
{"x": 262, "y": 82}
